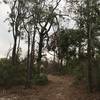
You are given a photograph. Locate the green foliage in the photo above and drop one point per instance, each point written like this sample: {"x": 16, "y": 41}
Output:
{"x": 96, "y": 73}
{"x": 11, "y": 75}
{"x": 77, "y": 69}
{"x": 78, "y": 72}
{"x": 62, "y": 70}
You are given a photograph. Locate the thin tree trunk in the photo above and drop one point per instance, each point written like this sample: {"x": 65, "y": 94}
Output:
{"x": 32, "y": 54}
{"x": 14, "y": 45}
{"x": 28, "y": 62}
{"x": 14, "y": 51}
{"x": 89, "y": 67}
{"x": 54, "y": 56}
{"x": 40, "y": 53}
{"x": 79, "y": 52}
{"x": 89, "y": 33}
{"x": 18, "y": 45}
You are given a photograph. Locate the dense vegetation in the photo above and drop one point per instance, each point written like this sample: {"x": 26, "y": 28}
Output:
{"x": 40, "y": 23}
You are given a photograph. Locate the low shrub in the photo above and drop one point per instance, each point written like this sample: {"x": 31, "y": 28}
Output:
{"x": 78, "y": 72}
{"x": 11, "y": 75}
{"x": 40, "y": 79}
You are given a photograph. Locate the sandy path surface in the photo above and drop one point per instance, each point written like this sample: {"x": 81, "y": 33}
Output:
{"x": 59, "y": 88}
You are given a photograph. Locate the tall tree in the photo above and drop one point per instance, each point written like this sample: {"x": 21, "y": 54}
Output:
{"x": 46, "y": 21}
{"x": 88, "y": 11}
{"x": 15, "y": 17}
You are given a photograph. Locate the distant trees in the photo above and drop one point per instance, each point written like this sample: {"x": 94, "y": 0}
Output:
{"x": 29, "y": 19}
{"x": 34, "y": 21}
{"x": 15, "y": 22}
{"x": 47, "y": 22}
{"x": 66, "y": 44}
{"x": 82, "y": 41}
{"x": 88, "y": 12}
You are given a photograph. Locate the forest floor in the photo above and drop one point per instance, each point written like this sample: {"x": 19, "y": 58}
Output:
{"x": 59, "y": 88}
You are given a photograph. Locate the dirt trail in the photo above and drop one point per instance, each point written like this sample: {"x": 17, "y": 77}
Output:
{"x": 59, "y": 88}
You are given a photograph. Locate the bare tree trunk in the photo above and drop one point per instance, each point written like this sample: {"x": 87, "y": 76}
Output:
{"x": 54, "y": 56}
{"x": 89, "y": 64}
{"x": 18, "y": 48}
{"x": 28, "y": 62}
{"x": 89, "y": 54}
{"x": 40, "y": 53}
{"x": 79, "y": 51}
{"x": 14, "y": 51}
{"x": 32, "y": 54}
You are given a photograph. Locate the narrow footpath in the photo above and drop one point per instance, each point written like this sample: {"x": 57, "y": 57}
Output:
{"x": 59, "y": 88}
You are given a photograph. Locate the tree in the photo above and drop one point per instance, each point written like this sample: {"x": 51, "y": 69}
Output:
{"x": 47, "y": 18}
{"x": 88, "y": 11}
{"x": 15, "y": 20}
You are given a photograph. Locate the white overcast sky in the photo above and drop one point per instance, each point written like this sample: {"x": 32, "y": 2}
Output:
{"x": 6, "y": 39}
